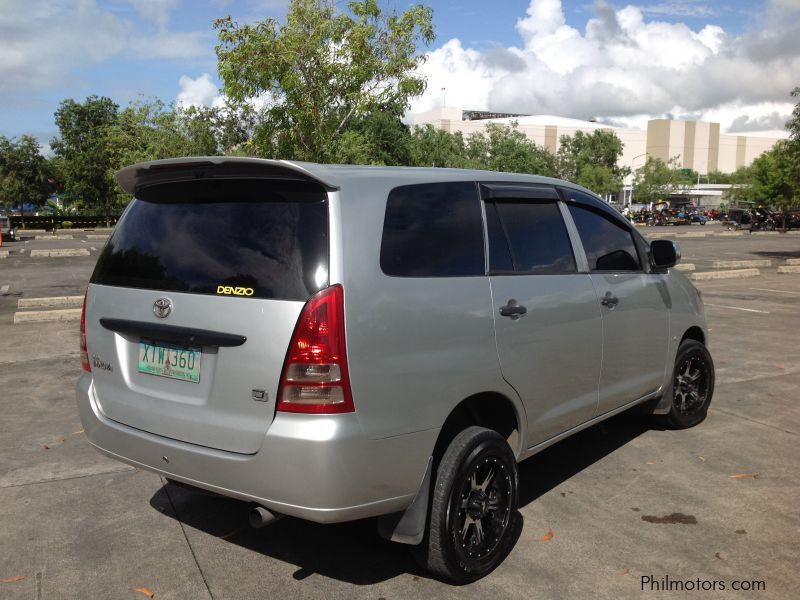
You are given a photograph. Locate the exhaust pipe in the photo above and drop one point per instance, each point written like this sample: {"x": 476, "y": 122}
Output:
{"x": 261, "y": 517}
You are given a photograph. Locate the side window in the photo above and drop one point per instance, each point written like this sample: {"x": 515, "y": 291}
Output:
{"x": 537, "y": 239}
{"x": 433, "y": 230}
{"x": 608, "y": 244}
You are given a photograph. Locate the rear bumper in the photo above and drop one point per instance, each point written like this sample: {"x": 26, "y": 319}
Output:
{"x": 315, "y": 467}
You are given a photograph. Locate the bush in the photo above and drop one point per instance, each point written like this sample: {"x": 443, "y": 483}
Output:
{"x": 66, "y": 224}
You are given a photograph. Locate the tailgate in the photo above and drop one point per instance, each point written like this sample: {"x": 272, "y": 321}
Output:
{"x": 222, "y": 408}
{"x": 193, "y": 303}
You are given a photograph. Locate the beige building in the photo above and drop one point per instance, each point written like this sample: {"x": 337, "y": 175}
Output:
{"x": 697, "y": 144}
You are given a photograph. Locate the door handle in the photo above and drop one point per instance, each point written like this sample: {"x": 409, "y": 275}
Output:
{"x": 513, "y": 309}
{"x": 609, "y": 300}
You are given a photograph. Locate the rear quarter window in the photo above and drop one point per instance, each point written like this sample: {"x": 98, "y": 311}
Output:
{"x": 433, "y": 230}
{"x": 250, "y": 238}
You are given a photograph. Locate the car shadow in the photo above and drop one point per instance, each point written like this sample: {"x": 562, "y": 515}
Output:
{"x": 778, "y": 254}
{"x": 353, "y": 552}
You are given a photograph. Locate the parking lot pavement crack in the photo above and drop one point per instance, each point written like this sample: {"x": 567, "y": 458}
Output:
{"x": 35, "y": 358}
{"x": 4, "y": 485}
{"x": 185, "y": 537}
{"x": 756, "y": 421}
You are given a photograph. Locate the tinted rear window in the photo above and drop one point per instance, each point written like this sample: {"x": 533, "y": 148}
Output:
{"x": 433, "y": 230}
{"x": 206, "y": 237}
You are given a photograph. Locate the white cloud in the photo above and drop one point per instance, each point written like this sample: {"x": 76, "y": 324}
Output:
{"x": 624, "y": 68}
{"x": 172, "y": 45}
{"x": 201, "y": 91}
{"x": 155, "y": 11}
{"x": 680, "y": 9}
{"x": 42, "y": 41}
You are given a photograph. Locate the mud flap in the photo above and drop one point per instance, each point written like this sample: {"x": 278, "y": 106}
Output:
{"x": 409, "y": 527}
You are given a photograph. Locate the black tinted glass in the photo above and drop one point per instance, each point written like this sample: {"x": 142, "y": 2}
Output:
{"x": 608, "y": 244}
{"x": 209, "y": 237}
{"x": 433, "y": 230}
{"x": 539, "y": 240}
{"x": 499, "y": 253}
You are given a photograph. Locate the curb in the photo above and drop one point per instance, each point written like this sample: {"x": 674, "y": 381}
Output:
{"x": 737, "y": 274}
{"x": 54, "y": 237}
{"x": 731, "y": 234}
{"x": 693, "y": 234}
{"x": 93, "y": 236}
{"x": 60, "y": 252}
{"x": 793, "y": 261}
{"x": 734, "y": 264}
{"x": 50, "y": 302}
{"x": 42, "y": 316}
{"x": 789, "y": 269}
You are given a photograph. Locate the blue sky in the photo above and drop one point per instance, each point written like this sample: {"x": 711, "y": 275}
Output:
{"x": 51, "y": 50}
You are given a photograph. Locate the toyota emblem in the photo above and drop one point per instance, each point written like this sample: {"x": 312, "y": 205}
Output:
{"x": 162, "y": 307}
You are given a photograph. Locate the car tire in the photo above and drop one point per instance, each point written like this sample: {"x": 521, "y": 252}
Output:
{"x": 473, "y": 507}
{"x": 691, "y": 387}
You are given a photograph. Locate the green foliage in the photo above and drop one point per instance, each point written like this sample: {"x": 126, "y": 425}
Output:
{"x": 431, "y": 147}
{"x": 656, "y": 180}
{"x": 149, "y": 130}
{"x": 322, "y": 70}
{"x": 591, "y": 160}
{"x": 24, "y": 173}
{"x": 507, "y": 149}
{"x": 56, "y": 209}
{"x": 66, "y": 224}
{"x": 741, "y": 185}
{"x": 86, "y": 164}
{"x": 776, "y": 177}
{"x": 793, "y": 124}
{"x": 376, "y": 139}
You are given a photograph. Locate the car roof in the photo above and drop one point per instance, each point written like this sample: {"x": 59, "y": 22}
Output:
{"x": 331, "y": 177}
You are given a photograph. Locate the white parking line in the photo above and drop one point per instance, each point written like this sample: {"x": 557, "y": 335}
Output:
{"x": 763, "y": 312}
{"x": 4, "y": 290}
{"x": 771, "y": 290}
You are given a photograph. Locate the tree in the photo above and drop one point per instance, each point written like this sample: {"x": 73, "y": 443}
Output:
{"x": 775, "y": 177}
{"x": 24, "y": 173}
{"x": 656, "y": 180}
{"x": 504, "y": 148}
{"x": 322, "y": 69}
{"x": 376, "y": 139}
{"x": 432, "y": 147}
{"x": 793, "y": 124}
{"x": 87, "y": 162}
{"x": 591, "y": 160}
{"x": 741, "y": 182}
{"x": 150, "y": 129}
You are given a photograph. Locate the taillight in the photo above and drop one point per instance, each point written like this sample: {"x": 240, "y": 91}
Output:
{"x": 84, "y": 351}
{"x": 315, "y": 377}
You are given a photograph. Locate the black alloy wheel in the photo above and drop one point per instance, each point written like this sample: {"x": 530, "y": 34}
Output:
{"x": 473, "y": 507}
{"x": 692, "y": 385}
{"x": 479, "y": 514}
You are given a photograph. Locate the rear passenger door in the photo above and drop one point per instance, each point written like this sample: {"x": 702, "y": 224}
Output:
{"x": 635, "y": 304}
{"x": 547, "y": 316}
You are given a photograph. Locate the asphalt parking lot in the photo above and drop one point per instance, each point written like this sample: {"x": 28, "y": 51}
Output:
{"x": 600, "y": 511}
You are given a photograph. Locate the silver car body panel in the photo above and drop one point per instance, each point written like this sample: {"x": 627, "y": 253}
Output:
{"x": 416, "y": 348}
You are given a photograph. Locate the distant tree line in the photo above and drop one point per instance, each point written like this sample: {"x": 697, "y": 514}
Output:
{"x": 332, "y": 84}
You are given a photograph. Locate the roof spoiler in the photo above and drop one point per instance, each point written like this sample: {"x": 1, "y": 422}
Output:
{"x": 142, "y": 175}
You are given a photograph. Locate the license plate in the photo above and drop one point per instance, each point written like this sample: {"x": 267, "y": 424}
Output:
{"x": 170, "y": 360}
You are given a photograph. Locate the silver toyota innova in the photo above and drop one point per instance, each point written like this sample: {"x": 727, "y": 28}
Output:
{"x": 341, "y": 342}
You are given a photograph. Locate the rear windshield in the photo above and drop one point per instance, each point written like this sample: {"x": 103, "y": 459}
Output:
{"x": 243, "y": 238}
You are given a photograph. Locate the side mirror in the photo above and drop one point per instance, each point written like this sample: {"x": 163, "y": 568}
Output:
{"x": 664, "y": 254}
